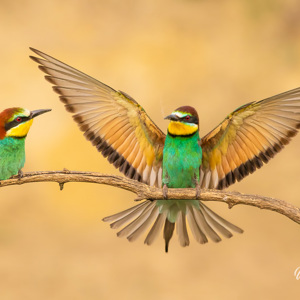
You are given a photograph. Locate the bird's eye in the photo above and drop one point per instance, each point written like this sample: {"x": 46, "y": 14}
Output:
{"x": 187, "y": 118}
{"x": 18, "y": 119}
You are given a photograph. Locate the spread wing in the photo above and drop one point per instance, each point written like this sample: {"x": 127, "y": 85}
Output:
{"x": 248, "y": 138}
{"x": 114, "y": 122}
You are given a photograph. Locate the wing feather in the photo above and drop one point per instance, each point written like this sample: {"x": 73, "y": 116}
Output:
{"x": 114, "y": 122}
{"x": 248, "y": 138}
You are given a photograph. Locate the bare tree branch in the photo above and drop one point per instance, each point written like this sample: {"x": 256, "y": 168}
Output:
{"x": 144, "y": 191}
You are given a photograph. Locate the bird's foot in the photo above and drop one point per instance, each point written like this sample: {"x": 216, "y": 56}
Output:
{"x": 165, "y": 191}
{"x": 20, "y": 174}
{"x": 198, "y": 191}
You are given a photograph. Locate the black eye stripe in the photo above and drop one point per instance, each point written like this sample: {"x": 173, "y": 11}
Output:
{"x": 14, "y": 123}
{"x": 192, "y": 119}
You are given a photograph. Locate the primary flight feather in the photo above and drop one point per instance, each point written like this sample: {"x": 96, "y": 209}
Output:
{"x": 122, "y": 131}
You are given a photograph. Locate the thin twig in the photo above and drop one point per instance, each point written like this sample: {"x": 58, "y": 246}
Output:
{"x": 144, "y": 191}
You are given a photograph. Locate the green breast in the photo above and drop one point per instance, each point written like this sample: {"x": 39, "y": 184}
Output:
{"x": 182, "y": 158}
{"x": 12, "y": 156}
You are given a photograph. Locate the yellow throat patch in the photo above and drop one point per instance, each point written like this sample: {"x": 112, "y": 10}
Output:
{"x": 179, "y": 128}
{"x": 20, "y": 130}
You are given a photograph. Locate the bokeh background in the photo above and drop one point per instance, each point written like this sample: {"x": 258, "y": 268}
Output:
{"x": 213, "y": 55}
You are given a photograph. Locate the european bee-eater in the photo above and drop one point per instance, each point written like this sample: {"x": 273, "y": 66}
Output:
{"x": 15, "y": 123}
{"x": 122, "y": 131}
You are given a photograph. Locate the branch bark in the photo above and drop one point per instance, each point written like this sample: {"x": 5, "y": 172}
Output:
{"x": 144, "y": 191}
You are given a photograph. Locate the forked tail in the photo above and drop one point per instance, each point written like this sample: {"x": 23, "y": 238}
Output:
{"x": 202, "y": 221}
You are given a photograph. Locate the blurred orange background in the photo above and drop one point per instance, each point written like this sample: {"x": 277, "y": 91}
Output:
{"x": 213, "y": 55}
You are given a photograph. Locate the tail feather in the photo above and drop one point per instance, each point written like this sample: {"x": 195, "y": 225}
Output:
{"x": 156, "y": 228}
{"x": 127, "y": 218}
{"x": 203, "y": 224}
{"x": 214, "y": 223}
{"x": 220, "y": 220}
{"x": 168, "y": 233}
{"x": 196, "y": 231}
{"x": 153, "y": 215}
{"x": 202, "y": 221}
{"x": 182, "y": 230}
{"x": 123, "y": 213}
{"x": 135, "y": 224}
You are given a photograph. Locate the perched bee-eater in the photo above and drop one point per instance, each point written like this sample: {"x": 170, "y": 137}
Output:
{"x": 122, "y": 131}
{"x": 15, "y": 123}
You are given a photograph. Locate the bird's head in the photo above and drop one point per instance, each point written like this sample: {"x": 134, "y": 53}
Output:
{"x": 183, "y": 121}
{"x": 16, "y": 121}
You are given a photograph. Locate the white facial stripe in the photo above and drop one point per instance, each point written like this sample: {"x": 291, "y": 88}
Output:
{"x": 179, "y": 114}
{"x": 26, "y": 112}
{"x": 182, "y": 115}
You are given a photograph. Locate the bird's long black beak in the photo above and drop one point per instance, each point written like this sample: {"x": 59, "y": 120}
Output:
{"x": 38, "y": 112}
{"x": 172, "y": 117}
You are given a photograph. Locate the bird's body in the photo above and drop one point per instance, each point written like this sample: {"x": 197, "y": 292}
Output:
{"x": 122, "y": 131}
{"x": 12, "y": 156}
{"x": 14, "y": 125}
{"x": 182, "y": 158}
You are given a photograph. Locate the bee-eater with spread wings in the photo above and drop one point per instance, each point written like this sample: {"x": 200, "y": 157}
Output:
{"x": 122, "y": 131}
